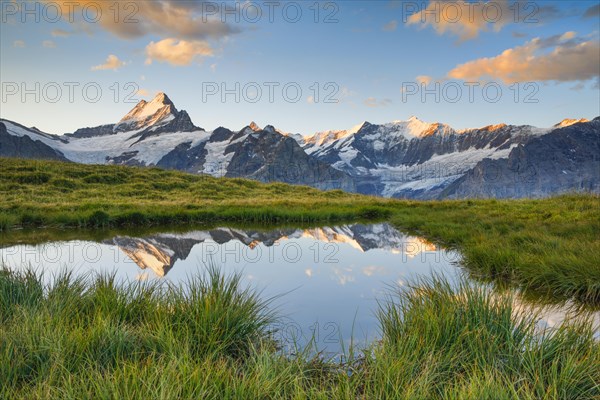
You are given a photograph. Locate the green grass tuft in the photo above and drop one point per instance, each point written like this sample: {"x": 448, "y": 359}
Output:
{"x": 92, "y": 337}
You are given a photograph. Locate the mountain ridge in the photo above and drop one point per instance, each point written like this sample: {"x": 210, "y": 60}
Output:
{"x": 403, "y": 159}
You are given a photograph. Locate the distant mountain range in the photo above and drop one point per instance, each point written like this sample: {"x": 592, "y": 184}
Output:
{"x": 401, "y": 159}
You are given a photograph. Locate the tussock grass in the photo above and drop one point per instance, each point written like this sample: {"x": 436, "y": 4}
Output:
{"x": 470, "y": 342}
{"x": 94, "y": 338}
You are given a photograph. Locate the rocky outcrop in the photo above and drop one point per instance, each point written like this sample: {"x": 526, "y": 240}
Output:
{"x": 268, "y": 156}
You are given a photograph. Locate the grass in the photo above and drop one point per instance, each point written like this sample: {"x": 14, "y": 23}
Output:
{"x": 64, "y": 195}
{"x": 470, "y": 342}
{"x": 550, "y": 248}
{"x": 210, "y": 339}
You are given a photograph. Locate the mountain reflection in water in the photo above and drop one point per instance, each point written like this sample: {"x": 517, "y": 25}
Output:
{"x": 329, "y": 279}
{"x": 160, "y": 252}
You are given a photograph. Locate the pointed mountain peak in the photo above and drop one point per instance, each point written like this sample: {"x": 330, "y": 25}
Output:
{"x": 145, "y": 114}
{"x": 412, "y": 120}
{"x": 162, "y": 98}
{"x": 568, "y": 122}
{"x": 253, "y": 125}
{"x": 357, "y": 128}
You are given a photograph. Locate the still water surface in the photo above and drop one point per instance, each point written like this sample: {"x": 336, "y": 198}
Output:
{"x": 328, "y": 279}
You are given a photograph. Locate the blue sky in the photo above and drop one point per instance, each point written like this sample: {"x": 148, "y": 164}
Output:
{"x": 374, "y": 59}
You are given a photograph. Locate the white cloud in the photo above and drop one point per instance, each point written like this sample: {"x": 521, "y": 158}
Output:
{"x": 60, "y": 33}
{"x": 49, "y": 44}
{"x": 391, "y": 26}
{"x": 19, "y": 43}
{"x": 143, "y": 93}
{"x": 569, "y": 59}
{"x": 424, "y": 80}
{"x": 373, "y": 102}
{"x": 112, "y": 63}
{"x": 345, "y": 95}
{"x": 177, "y": 52}
{"x": 467, "y": 19}
{"x": 137, "y": 18}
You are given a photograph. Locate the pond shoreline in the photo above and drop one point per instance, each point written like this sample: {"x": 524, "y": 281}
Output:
{"x": 81, "y": 340}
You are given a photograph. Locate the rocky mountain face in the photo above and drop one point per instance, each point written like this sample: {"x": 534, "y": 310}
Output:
{"x": 146, "y": 119}
{"x": 261, "y": 154}
{"x": 23, "y": 146}
{"x": 401, "y": 159}
{"x": 566, "y": 159}
{"x": 414, "y": 159}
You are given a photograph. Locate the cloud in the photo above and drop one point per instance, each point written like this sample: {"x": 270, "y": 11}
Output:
{"x": 560, "y": 58}
{"x": 519, "y": 35}
{"x": 112, "y": 62}
{"x": 423, "y": 80}
{"x": 391, "y": 26}
{"x": 310, "y": 99}
{"x": 136, "y": 18}
{"x": 467, "y": 19}
{"x": 49, "y": 44}
{"x": 61, "y": 33}
{"x": 143, "y": 93}
{"x": 373, "y": 102}
{"x": 345, "y": 95}
{"x": 177, "y": 52}
{"x": 213, "y": 67}
{"x": 579, "y": 87}
{"x": 19, "y": 43}
{"x": 592, "y": 12}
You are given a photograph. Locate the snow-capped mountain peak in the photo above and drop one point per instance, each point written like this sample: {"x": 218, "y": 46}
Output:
{"x": 568, "y": 122}
{"x": 254, "y": 126}
{"x": 325, "y": 137}
{"x": 414, "y": 128}
{"x": 145, "y": 114}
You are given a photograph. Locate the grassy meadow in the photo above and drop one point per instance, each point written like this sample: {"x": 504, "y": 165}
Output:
{"x": 65, "y": 195}
{"x": 210, "y": 338}
{"x": 550, "y": 247}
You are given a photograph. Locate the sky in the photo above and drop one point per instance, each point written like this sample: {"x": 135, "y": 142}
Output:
{"x": 301, "y": 66}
